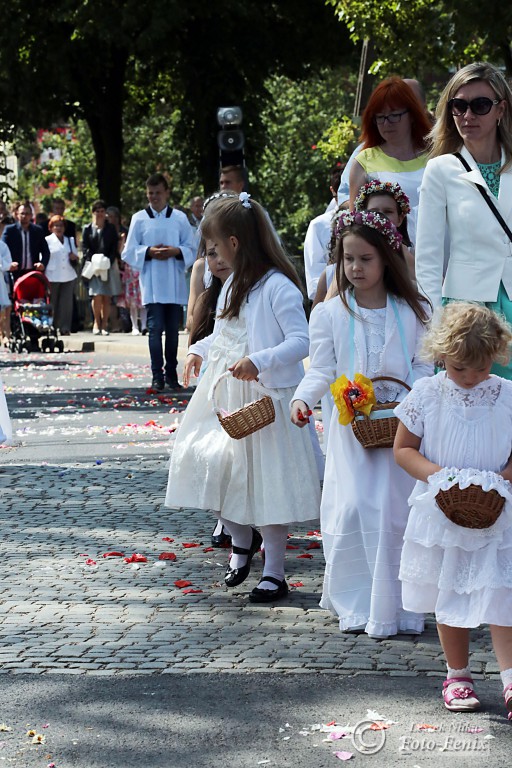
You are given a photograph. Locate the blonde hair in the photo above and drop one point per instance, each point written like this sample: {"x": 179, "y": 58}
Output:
{"x": 469, "y": 333}
{"x": 444, "y": 138}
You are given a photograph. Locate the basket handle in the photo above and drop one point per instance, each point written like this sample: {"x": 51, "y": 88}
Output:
{"x": 256, "y": 384}
{"x": 392, "y": 378}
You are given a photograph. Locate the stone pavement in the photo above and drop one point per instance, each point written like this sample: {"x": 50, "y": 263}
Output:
{"x": 85, "y": 477}
{"x": 88, "y": 477}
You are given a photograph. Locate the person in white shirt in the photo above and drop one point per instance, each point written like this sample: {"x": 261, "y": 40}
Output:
{"x": 61, "y": 273}
{"x": 318, "y": 237}
{"x": 160, "y": 245}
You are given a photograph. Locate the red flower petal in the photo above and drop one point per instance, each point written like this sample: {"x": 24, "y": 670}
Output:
{"x": 167, "y": 538}
{"x": 167, "y": 556}
{"x": 190, "y": 544}
{"x": 192, "y": 591}
{"x": 304, "y": 557}
{"x": 314, "y": 545}
{"x": 292, "y": 546}
{"x": 333, "y": 722}
{"x": 136, "y": 558}
{"x": 182, "y": 583}
{"x": 208, "y": 549}
{"x": 90, "y": 561}
{"x": 113, "y": 554}
{"x": 296, "y": 584}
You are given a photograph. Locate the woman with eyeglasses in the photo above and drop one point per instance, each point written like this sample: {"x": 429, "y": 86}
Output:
{"x": 393, "y": 130}
{"x": 463, "y": 252}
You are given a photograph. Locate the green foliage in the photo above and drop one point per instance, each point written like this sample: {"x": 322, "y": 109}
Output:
{"x": 70, "y": 174}
{"x": 413, "y": 37}
{"x": 292, "y": 172}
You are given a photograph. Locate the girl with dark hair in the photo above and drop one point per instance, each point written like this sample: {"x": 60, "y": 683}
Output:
{"x": 388, "y": 198}
{"x": 206, "y": 305}
{"x": 374, "y": 326}
{"x": 270, "y": 478}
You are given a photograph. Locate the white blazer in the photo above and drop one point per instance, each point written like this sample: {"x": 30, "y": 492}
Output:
{"x": 277, "y": 330}
{"x": 479, "y": 253}
{"x": 330, "y": 349}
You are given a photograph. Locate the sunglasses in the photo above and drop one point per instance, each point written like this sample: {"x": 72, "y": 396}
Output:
{"x": 394, "y": 117}
{"x": 479, "y": 106}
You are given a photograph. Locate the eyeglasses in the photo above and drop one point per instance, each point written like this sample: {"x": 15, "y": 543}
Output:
{"x": 393, "y": 117}
{"x": 482, "y": 105}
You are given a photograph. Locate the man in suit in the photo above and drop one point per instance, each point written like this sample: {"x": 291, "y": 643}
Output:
{"x": 26, "y": 242}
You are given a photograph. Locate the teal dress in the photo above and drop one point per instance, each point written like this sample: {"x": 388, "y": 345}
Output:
{"x": 503, "y": 304}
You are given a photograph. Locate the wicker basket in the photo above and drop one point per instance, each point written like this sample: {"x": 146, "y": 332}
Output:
{"x": 378, "y": 433}
{"x": 470, "y": 507}
{"x": 248, "y": 419}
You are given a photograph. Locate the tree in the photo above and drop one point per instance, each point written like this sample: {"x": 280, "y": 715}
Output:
{"x": 84, "y": 59}
{"x": 292, "y": 172}
{"x": 416, "y": 36}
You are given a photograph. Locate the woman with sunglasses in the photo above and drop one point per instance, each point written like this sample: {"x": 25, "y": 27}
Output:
{"x": 393, "y": 130}
{"x": 474, "y": 120}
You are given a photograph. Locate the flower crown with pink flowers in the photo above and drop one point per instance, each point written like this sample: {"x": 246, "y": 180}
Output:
{"x": 377, "y": 187}
{"x": 372, "y": 219}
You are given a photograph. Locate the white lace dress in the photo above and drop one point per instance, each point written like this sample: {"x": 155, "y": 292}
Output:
{"x": 270, "y": 477}
{"x": 463, "y": 575}
{"x": 363, "y": 515}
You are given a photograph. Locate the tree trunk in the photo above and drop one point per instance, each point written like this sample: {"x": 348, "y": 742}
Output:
{"x": 102, "y": 100}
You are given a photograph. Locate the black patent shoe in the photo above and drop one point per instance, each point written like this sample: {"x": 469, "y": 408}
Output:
{"x": 269, "y": 595}
{"x": 223, "y": 539}
{"x": 235, "y": 576}
{"x": 158, "y": 385}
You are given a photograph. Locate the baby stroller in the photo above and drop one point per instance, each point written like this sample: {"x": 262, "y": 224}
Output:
{"x": 32, "y": 316}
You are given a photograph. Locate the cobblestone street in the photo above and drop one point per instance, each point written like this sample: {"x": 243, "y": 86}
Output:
{"x": 85, "y": 478}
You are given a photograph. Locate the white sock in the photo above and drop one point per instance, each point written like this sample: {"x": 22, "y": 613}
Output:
{"x": 241, "y": 536}
{"x": 466, "y": 672}
{"x": 218, "y": 529}
{"x": 506, "y": 677}
{"x": 134, "y": 316}
{"x": 274, "y": 541}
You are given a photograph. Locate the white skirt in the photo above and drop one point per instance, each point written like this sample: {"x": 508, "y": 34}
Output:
{"x": 268, "y": 478}
{"x": 5, "y": 422}
{"x": 463, "y": 575}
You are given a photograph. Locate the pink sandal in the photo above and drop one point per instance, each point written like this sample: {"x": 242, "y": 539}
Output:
{"x": 507, "y": 693}
{"x": 461, "y": 698}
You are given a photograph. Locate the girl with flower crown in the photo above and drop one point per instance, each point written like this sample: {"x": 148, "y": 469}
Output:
{"x": 388, "y": 198}
{"x": 372, "y": 328}
{"x": 268, "y": 479}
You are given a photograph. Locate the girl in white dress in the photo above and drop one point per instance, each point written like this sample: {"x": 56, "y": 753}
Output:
{"x": 374, "y": 326}
{"x": 456, "y": 428}
{"x": 271, "y": 478}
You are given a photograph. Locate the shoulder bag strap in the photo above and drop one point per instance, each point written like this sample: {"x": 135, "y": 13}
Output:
{"x": 486, "y": 197}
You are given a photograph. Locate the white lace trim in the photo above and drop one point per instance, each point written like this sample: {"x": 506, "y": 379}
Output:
{"x": 374, "y": 324}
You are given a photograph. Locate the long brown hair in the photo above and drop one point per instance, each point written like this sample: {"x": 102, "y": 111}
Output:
{"x": 396, "y": 274}
{"x": 394, "y": 94}
{"x": 259, "y": 249}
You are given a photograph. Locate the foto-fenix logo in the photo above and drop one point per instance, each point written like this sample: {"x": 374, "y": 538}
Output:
{"x": 367, "y": 739}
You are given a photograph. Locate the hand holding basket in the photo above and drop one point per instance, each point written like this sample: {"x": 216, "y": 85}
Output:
{"x": 248, "y": 419}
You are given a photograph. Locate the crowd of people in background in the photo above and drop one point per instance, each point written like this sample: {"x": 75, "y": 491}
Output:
{"x": 31, "y": 239}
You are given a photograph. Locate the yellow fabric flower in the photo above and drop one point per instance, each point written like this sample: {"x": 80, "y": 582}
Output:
{"x": 352, "y": 396}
